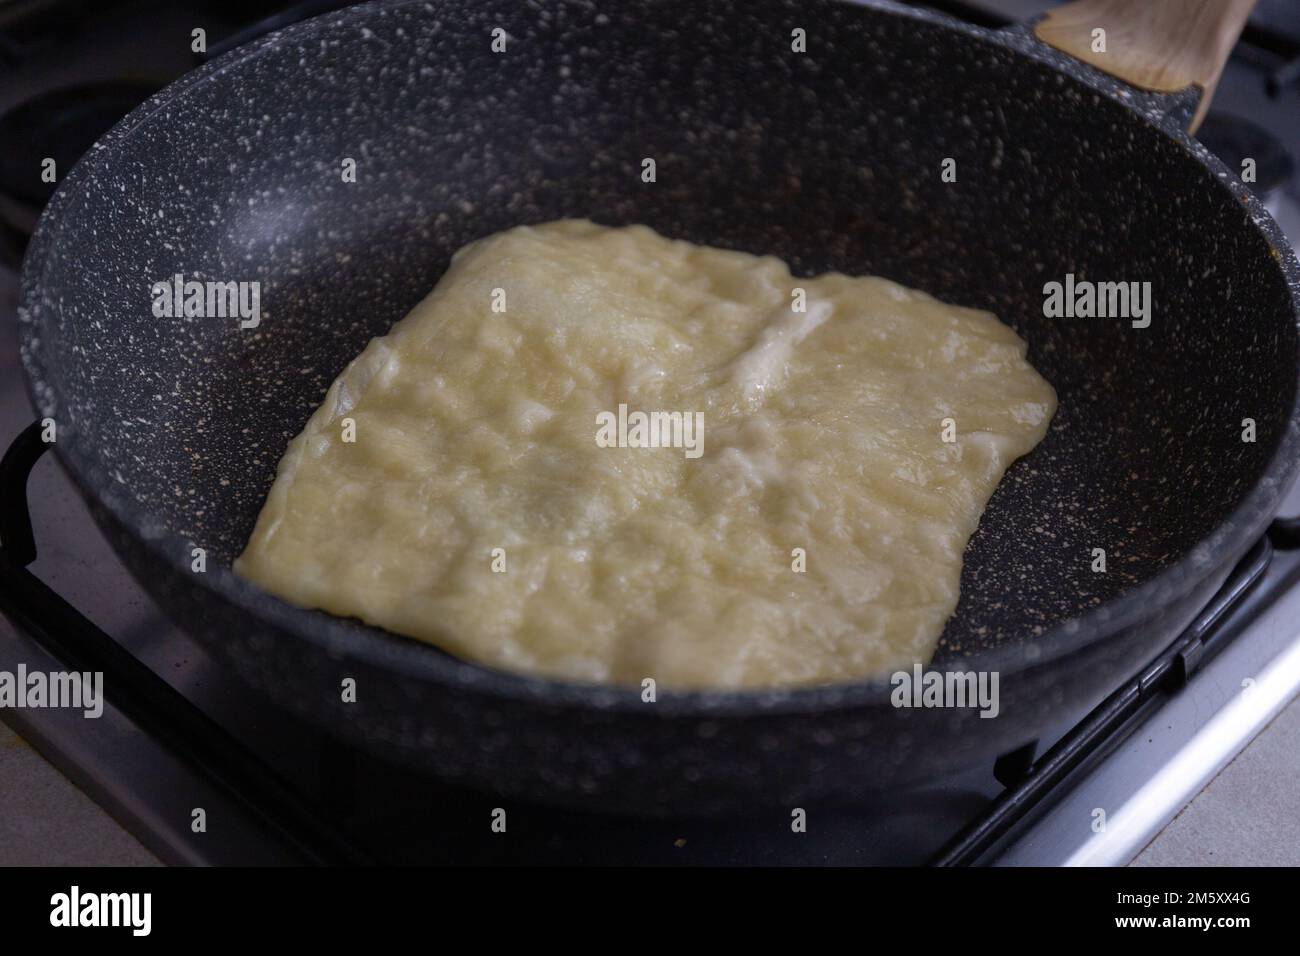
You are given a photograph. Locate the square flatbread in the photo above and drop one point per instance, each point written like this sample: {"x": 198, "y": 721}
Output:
{"x": 852, "y": 431}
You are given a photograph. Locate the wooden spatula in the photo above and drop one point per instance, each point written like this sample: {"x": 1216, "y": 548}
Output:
{"x": 1161, "y": 45}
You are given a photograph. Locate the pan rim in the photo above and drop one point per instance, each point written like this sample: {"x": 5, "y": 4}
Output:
{"x": 414, "y": 660}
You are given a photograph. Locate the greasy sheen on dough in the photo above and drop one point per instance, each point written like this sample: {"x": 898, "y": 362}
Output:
{"x": 475, "y": 430}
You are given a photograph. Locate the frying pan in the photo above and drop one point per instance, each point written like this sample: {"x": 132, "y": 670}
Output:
{"x": 830, "y": 159}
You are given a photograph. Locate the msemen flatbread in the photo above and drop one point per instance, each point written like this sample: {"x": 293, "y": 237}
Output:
{"x": 476, "y": 477}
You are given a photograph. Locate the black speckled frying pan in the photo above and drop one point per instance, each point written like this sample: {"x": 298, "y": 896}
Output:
{"x": 830, "y": 159}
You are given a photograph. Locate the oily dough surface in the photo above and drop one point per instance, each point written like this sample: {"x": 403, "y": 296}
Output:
{"x": 823, "y": 429}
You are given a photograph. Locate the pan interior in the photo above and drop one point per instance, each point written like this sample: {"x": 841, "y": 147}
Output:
{"x": 830, "y": 159}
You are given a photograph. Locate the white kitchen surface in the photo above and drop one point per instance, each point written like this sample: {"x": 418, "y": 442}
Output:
{"x": 46, "y": 821}
{"x": 1249, "y": 815}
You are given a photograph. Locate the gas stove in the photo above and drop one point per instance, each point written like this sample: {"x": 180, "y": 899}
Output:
{"x": 1095, "y": 790}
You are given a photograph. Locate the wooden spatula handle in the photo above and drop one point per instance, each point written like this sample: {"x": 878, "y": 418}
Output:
{"x": 1164, "y": 45}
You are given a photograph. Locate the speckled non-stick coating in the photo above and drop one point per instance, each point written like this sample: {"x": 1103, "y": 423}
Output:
{"x": 831, "y": 160}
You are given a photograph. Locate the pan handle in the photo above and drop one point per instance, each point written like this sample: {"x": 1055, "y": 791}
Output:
{"x": 1159, "y": 45}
